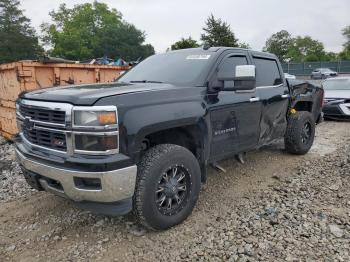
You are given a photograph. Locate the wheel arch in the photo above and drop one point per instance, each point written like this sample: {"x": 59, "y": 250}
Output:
{"x": 188, "y": 134}
{"x": 304, "y": 106}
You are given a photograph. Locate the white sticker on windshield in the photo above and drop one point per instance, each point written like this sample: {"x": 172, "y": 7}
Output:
{"x": 198, "y": 57}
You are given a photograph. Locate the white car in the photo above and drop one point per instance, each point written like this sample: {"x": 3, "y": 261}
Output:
{"x": 323, "y": 73}
{"x": 289, "y": 76}
{"x": 337, "y": 98}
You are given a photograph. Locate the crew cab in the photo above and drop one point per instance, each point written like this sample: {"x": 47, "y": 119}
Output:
{"x": 144, "y": 143}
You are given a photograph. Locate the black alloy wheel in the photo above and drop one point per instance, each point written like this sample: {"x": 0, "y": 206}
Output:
{"x": 173, "y": 190}
{"x": 300, "y": 133}
{"x": 167, "y": 186}
{"x": 306, "y": 133}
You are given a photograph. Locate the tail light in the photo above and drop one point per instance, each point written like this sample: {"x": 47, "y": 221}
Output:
{"x": 322, "y": 101}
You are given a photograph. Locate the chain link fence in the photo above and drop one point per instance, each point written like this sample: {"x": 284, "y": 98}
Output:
{"x": 342, "y": 67}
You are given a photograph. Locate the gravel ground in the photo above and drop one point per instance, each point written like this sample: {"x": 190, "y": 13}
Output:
{"x": 276, "y": 207}
{"x": 12, "y": 183}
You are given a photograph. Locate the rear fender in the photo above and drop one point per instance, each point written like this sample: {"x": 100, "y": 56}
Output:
{"x": 306, "y": 96}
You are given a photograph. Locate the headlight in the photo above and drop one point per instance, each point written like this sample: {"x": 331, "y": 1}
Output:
{"x": 95, "y": 116}
{"x": 95, "y": 130}
{"x": 96, "y": 143}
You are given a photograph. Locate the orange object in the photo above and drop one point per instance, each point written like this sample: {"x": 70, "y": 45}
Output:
{"x": 28, "y": 75}
{"x": 107, "y": 118}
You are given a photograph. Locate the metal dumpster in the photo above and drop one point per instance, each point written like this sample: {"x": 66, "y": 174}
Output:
{"x": 28, "y": 75}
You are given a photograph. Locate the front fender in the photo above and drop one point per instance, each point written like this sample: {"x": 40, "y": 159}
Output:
{"x": 142, "y": 121}
{"x": 143, "y": 113}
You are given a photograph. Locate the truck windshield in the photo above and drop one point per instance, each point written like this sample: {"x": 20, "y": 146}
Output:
{"x": 178, "y": 68}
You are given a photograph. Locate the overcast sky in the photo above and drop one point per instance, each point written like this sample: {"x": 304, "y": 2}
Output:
{"x": 253, "y": 21}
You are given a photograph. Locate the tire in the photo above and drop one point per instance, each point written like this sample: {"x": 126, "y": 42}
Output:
{"x": 156, "y": 173}
{"x": 300, "y": 133}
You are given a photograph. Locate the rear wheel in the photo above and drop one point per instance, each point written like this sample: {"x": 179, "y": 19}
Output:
{"x": 167, "y": 186}
{"x": 300, "y": 133}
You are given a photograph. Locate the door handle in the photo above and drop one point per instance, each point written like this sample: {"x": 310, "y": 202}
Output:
{"x": 285, "y": 96}
{"x": 254, "y": 99}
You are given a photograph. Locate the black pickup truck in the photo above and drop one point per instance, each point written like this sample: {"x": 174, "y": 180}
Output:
{"x": 144, "y": 143}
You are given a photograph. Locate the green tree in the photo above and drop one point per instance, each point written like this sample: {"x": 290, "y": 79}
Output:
{"x": 279, "y": 44}
{"x": 306, "y": 49}
{"x": 184, "y": 43}
{"x": 18, "y": 38}
{"x": 346, "y": 34}
{"x": 345, "y": 54}
{"x": 218, "y": 33}
{"x": 93, "y": 30}
{"x": 244, "y": 45}
{"x": 331, "y": 56}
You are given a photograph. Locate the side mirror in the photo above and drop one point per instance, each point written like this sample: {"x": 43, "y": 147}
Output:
{"x": 242, "y": 80}
{"x": 245, "y": 78}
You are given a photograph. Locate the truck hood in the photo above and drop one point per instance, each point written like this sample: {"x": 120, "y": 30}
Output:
{"x": 88, "y": 94}
{"x": 337, "y": 94}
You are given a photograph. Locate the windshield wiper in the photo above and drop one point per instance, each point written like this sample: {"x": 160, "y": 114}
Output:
{"x": 146, "y": 81}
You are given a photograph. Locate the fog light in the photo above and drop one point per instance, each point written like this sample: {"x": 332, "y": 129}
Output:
{"x": 87, "y": 183}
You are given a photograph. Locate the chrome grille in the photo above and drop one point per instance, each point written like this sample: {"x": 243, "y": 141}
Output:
{"x": 43, "y": 115}
{"x": 44, "y": 123}
{"x": 50, "y": 125}
{"x": 45, "y": 138}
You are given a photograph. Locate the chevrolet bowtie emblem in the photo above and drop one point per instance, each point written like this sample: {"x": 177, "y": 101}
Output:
{"x": 29, "y": 125}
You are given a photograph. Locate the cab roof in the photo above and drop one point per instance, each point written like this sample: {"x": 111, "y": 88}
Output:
{"x": 221, "y": 49}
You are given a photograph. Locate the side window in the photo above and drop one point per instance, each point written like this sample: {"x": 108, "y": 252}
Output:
{"x": 267, "y": 72}
{"x": 228, "y": 68}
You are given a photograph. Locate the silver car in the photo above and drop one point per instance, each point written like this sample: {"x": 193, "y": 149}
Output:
{"x": 289, "y": 76}
{"x": 337, "y": 98}
{"x": 323, "y": 73}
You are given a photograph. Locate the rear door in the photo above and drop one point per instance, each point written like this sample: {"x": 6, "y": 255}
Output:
{"x": 273, "y": 92}
{"x": 234, "y": 116}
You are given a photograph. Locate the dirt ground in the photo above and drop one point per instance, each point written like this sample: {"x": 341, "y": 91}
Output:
{"x": 268, "y": 209}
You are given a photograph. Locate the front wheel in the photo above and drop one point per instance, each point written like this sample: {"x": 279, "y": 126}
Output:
{"x": 300, "y": 133}
{"x": 167, "y": 186}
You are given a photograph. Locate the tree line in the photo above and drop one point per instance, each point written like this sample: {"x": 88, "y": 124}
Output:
{"x": 83, "y": 32}
{"x": 304, "y": 49}
{"x": 286, "y": 47}
{"x": 94, "y": 30}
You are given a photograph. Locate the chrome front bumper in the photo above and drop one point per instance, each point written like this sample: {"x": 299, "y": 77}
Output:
{"x": 116, "y": 185}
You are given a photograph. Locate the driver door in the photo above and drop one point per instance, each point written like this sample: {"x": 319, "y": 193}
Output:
{"x": 234, "y": 115}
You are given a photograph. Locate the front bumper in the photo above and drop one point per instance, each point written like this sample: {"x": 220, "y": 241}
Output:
{"x": 115, "y": 185}
{"x": 341, "y": 111}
